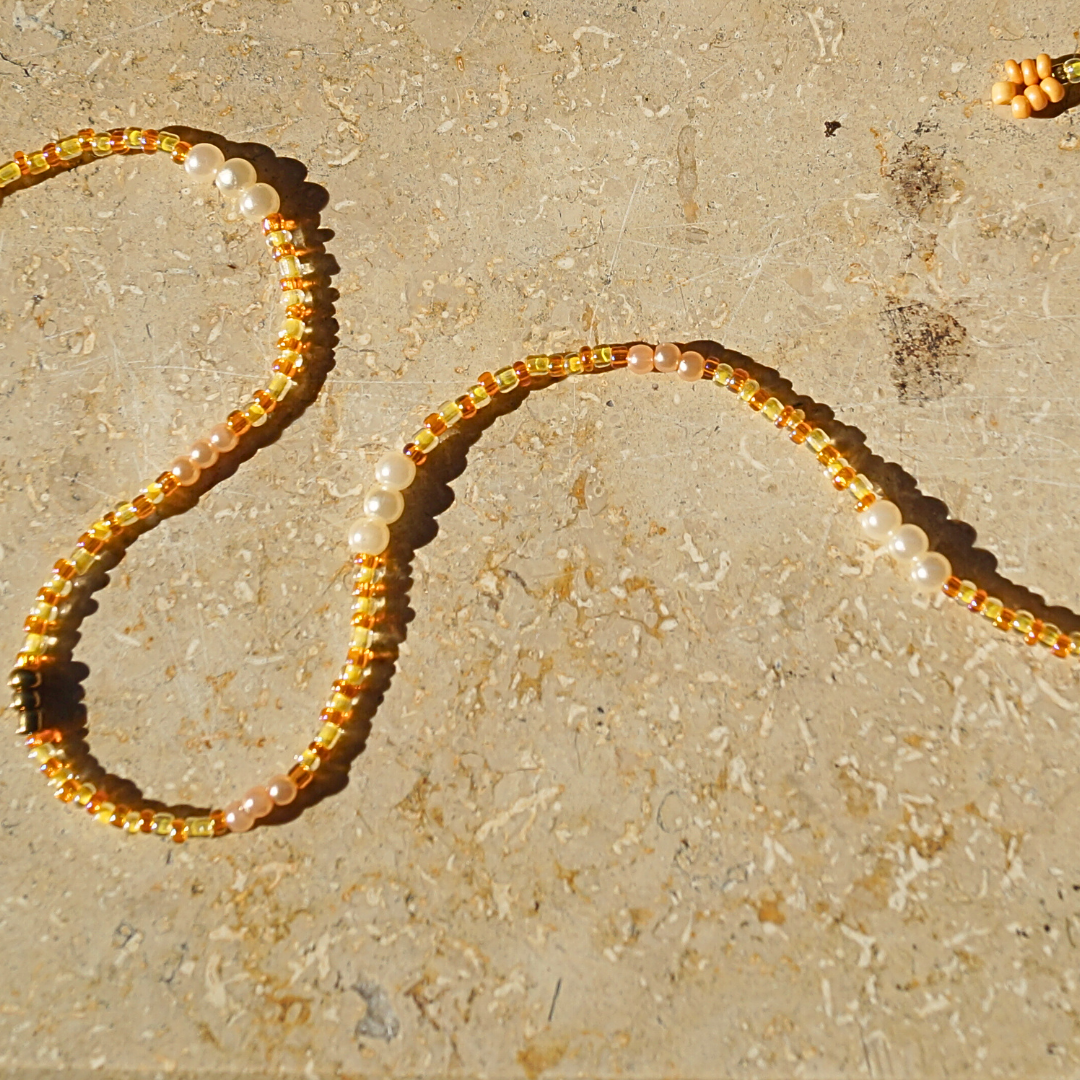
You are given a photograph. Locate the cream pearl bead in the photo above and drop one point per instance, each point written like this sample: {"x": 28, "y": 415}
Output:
{"x": 259, "y": 201}
{"x": 202, "y": 454}
{"x": 930, "y": 571}
{"x": 222, "y": 438}
{"x": 880, "y": 520}
{"x": 666, "y": 357}
{"x": 185, "y": 470}
{"x": 395, "y": 470}
{"x": 384, "y": 503}
{"x": 235, "y": 177}
{"x": 368, "y": 536}
{"x": 237, "y": 819}
{"x": 908, "y": 542}
{"x": 640, "y": 359}
{"x": 203, "y": 162}
{"x": 691, "y": 366}
{"x": 257, "y": 802}
{"x": 281, "y": 789}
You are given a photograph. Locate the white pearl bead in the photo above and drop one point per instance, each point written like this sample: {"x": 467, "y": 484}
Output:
{"x": 395, "y": 470}
{"x": 368, "y": 536}
{"x": 384, "y": 503}
{"x": 880, "y": 520}
{"x": 259, "y": 201}
{"x": 235, "y": 177}
{"x": 203, "y": 162}
{"x": 930, "y": 571}
{"x": 908, "y": 542}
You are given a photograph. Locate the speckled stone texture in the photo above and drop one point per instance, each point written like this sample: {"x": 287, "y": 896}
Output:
{"x": 674, "y": 777}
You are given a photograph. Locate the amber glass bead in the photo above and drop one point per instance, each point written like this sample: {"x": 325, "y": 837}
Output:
{"x": 468, "y": 409}
{"x": 300, "y": 776}
{"x": 1034, "y": 632}
{"x": 178, "y": 831}
{"x": 267, "y": 402}
{"x": 143, "y": 506}
{"x": 237, "y": 423}
{"x": 62, "y": 568}
{"x": 757, "y": 400}
{"x": 411, "y": 450}
{"x": 782, "y": 417}
{"x": 522, "y": 372}
{"x": 168, "y": 483}
{"x": 737, "y": 379}
{"x": 435, "y": 424}
{"x": 794, "y": 419}
{"x": 619, "y": 355}
{"x": 67, "y": 790}
{"x": 827, "y": 454}
{"x": 1005, "y": 620}
{"x": 346, "y": 689}
{"x": 217, "y": 818}
{"x": 118, "y": 814}
{"x": 95, "y": 802}
{"x": 180, "y": 152}
{"x": 1063, "y": 646}
{"x": 976, "y": 602}
{"x": 286, "y": 365}
{"x": 146, "y": 821}
{"x": 50, "y": 153}
{"x": 708, "y": 370}
{"x": 34, "y": 625}
{"x": 487, "y": 381}
{"x": 118, "y": 141}
{"x": 22, "y": 161}
{"x": 357, "y": 655}
{"x": 843, "y": 478}
{"x": 149, "y": 141}
{"x": 800, "y": 432}
{"x": 558, "y": 366}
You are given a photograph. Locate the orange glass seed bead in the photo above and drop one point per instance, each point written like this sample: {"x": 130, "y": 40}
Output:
{"x": 178, "y": 831}
{"x": 284, "y": 367}
{"x": 487, "y": 381}
{"x": 468, "y": 409}
{"x": 737, "y": 379}
{"x": 952, "y": 586}
{"x": 118, "y": 141}
{"x": 284, "y": 251}
{"x": 95, "y": 801}
{"x": 294, "y": 284}
{"x": 1005, "y": 620}
{"x": 149, "y": 141}
{"x": 218, "y": 819}
{"x": 587, "y": 363}
{"x": 90, "y": 543}
{"x": 359, "y": 656}
{"x": 180, "y": 152}
{"x": 411, "y": 450}
{"x": 782, "y": 419}
{"x": 117, "y": 817}
{"x": 64, "y": 569}
{"x": 237, "y": 423}
{"x": 272, "y": 223}
{"x": 168, "y": 483}
{"x": 758, "y": 399}
{"x": 619, "y": 354}
{"x": 332, "y": 716}
{"x": 800, "y": 432}
{"x": 35, "y": 625}
{"x": 143, "y": 506}
{"x": 267, "y": 401}
{"x": 1032, "y": 636}
{"x": 828, "y": 454}
{"x": 146, "y": 821}
{"x": 558, "y": 366}
{"x": 976, "y": 602}
{"x": 51, "y": 767}
{"x": 66, "y": 791}
{"x": 435, "y": 424}
{"x": 86, "y": 137}
{"x": 22, "y": 161}
{"x": 521, "y": 370}
{"x": 843, "y": 478}
{"x": 300, "y": 776}
{"x": 348, "y": 690}
{"x": 1062, "y": 646}
{"x": 49, "y": 152}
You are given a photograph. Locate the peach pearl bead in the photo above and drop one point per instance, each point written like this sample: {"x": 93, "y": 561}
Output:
{"x": 1038, "y": 99}
{"x": 237, "y": 819}
{"x": 1052, "y": 89}
{"x": 282, "y": 790}
{"x": 222, "y": 438}
{"x": 1044, "y": 66}
{"x": 691, "y": 366}
{"x": 1014, "y": 73}
{"x": 1030, "y": 71}
{"x": 908, "y": 542}
{"x": 203, "y": 454}
{"x": 640, "y": 359}
{"x": 185, "y": 470}
{"x": 1003, "y": 93}
{"x": 1021, "y": 107}
{"x": 257, "y": 802}
{"x": 666, "y": 357}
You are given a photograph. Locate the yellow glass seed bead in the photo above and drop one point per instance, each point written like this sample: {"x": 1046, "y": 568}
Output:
{"x": 100, "y": 529}
{"x": 574, "y": 364}
{"x": 309, "y": 759}
{"x": 836, "y": 465}
{"x": 361, "y": 637}
{"x": 968, "y": 589}
{"x": 507, "y": 379}
{"x": 85, "y": 793}
{"x": 38, "y": 162}
{"x": 354, "y": 674}
{"x": 749, "y": 389}
{"x": 102, "y": 144}
{"x": 200, "y": 826}
{"x": 365, "y": 605}
{"x": 132, "y": 821}
{"x": 860, "y": 487}
{"x": 289, "y": 356}
{"x": 133, "y": 138}
{"x": 1023, "y": 621}
{"x": 254, "y": 413}
{"x": 722, "y": 374}
{"x": 772, "y": 409}
{"x": 602, "y": 358}
{"x": 538, "y": 365}
{"x": 295, "y": 296}
{"x": 328, "y": 735}
{"x": 167, "y": 141}
{"x": 69, "y": 148}
{"x": 450, "y": 412}
{"x": 34, "y": 644}
{"x": 817, "y": 440}
{"x": 161, "y": 824}
{"x": 279, "y": 238}
{"x": 105, "y": 811}
{"x": 364, "y": 575}
{"x": 340, "y": 703}
{"x": 278, "y": 386}
{"x": 293, "y": 328}
{"x": 1049, "y": 635}
{"x": 9, "y": 173}
{"x": 992, "y": 608}
{"x": 82, "y": 560}
{"x": 424, "y": 440}
{"x": 480, "y": 397}
{"x": 125, "y": 514}
{"x": 41, "y": 754}
{"x": 289, "y": 267}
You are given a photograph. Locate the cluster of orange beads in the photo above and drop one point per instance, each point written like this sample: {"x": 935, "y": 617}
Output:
{"x": 1031, "y": 85}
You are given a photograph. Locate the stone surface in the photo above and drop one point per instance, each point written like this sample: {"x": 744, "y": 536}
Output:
{"x": 674, "y": 777}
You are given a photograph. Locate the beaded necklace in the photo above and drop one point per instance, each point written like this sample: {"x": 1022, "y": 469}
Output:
{"x": 881, "y": 520}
